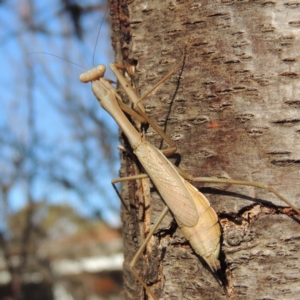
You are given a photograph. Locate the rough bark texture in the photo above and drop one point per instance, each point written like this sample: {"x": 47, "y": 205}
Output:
{"x": 233, "y": 112}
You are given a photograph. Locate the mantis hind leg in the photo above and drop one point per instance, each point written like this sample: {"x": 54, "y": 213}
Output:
{"x": 238, "y": 182}
{"x": 150, "y": 234}
{"x": 142, "y": 248}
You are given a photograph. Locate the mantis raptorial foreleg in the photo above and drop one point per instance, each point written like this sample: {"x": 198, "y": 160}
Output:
{"x": 138, "y": 106}
{"x": 192, "y": 211}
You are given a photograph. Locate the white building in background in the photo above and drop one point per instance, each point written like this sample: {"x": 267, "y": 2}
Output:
{"x": 87, "y": 264}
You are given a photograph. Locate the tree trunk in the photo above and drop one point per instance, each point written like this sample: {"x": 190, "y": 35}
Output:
{"x": 233, "y": 112}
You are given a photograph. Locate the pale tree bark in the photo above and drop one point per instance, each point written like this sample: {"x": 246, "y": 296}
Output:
{"x": 233, "y": 112}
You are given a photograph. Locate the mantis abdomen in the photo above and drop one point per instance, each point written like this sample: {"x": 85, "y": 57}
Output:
{"x": 205, "y": 236}
{"x": 192, "y": 211}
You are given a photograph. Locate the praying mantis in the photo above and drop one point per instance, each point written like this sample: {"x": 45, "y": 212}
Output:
{"x": 191, "y": 209}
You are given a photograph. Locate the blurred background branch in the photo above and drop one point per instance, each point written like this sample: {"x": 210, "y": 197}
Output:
{"x": 58, "y": 150}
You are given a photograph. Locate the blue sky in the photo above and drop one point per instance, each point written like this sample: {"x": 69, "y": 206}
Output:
{"x": 33, "y": 93}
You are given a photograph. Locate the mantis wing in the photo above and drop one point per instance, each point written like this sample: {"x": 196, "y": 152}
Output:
{"x": 205, "y": 236}
{"x": 169, "y": 183}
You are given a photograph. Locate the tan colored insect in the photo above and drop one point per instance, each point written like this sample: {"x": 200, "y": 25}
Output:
{"x": 192, "y": 211}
